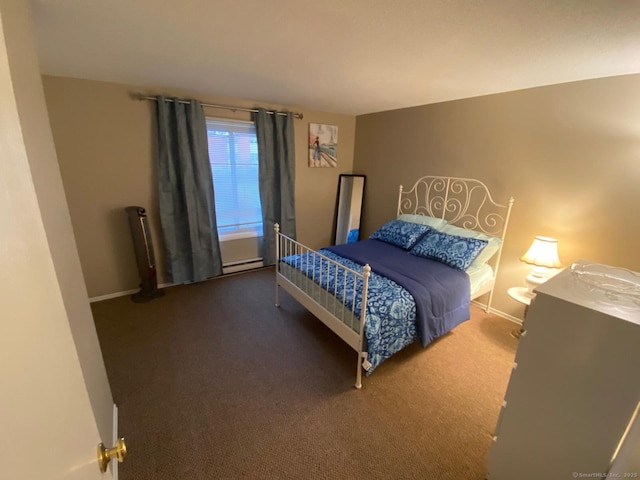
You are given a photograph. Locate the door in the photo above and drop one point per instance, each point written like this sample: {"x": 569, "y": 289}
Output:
{"x": 50, "y": 423}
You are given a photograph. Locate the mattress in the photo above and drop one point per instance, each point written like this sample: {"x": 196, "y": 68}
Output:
{"x": 479, "y": 275}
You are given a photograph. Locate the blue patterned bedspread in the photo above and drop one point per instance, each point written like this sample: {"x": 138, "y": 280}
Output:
{"x": 401, "y": 307}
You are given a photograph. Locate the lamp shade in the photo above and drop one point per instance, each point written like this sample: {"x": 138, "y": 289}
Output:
{"x": 543, "y": 252}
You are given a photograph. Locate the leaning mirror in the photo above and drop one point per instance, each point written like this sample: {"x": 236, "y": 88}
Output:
{"x": 349, "y": 208}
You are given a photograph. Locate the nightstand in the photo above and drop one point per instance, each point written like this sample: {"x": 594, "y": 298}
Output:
{"x": 520, "y": 295}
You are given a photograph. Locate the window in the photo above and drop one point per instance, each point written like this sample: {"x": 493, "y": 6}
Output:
{"x": 233, "y": 153}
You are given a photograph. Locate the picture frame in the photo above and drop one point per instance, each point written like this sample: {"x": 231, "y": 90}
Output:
{"x": 323, "y": 145}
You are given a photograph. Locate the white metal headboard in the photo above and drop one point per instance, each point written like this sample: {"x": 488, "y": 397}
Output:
{"x": 464, "y": 202}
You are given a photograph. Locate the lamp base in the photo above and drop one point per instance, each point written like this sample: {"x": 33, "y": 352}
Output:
{"x": 536, "y": 277}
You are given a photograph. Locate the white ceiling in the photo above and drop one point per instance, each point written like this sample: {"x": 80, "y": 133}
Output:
{"x": 343, "y": 56}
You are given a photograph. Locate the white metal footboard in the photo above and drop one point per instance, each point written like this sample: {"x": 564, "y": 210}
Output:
{"x": 321, "y": 302}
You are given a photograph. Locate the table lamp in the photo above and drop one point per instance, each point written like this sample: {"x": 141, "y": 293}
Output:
{"x": 542, "y": 256}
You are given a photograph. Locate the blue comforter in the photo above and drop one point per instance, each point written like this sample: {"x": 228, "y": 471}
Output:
{"x": 442, "y": 294}
{"x": 409, "y": 297}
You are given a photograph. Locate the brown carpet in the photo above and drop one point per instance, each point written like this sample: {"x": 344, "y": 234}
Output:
{"x": 212, "y": 381}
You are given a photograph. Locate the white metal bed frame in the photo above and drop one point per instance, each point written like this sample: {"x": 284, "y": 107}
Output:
{"x": 463, "y": 202}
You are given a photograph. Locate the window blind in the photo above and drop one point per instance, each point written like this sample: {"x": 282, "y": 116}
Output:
{"x": 233, "y": 154}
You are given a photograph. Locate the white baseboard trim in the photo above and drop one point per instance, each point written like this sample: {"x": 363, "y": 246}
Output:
{"x": 112, "y": 295}
{"x": 228, "y": 269}
{"x": 499, "y": 313}
{"x": 109, "y": 296}
{"x": 114, "y": 464}
{"x": 231, "y": 269}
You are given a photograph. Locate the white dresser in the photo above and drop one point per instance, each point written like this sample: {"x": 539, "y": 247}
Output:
{"x": 574, "y": 388}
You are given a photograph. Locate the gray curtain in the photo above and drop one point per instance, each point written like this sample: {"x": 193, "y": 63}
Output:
{"x": 276, "y": 155}
{"x": 187, "y": 209}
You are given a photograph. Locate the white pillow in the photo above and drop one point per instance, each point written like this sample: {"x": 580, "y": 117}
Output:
{"x": 436, "y": 223}
{"x": 489, "y": 251}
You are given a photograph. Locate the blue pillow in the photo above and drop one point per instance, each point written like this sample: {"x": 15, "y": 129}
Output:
{"x": 487, "y": 253}
{"x": 453, "y": 250}
{"x": 401, "y": 234}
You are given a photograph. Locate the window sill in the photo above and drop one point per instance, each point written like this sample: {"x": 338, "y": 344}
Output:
{"x": 228, "y": 237}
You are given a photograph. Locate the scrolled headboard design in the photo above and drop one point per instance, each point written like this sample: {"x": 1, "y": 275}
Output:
{"x": 464, "y": 202}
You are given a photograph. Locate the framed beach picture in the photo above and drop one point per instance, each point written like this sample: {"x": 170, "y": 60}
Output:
{"x": 323, "y": 145}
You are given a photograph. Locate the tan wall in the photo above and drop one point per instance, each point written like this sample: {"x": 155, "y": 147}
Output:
{"x": 104, "y": 141}
{"x": 569, "y": 154}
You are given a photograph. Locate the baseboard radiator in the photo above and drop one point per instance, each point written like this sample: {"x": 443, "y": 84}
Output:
{"x": 244, "y": 265}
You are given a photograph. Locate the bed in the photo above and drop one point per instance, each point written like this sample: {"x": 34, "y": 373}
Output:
{"x": 412, "y": 280}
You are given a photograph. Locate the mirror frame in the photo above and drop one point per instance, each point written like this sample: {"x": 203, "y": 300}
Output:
{"x": 336, "y": 211}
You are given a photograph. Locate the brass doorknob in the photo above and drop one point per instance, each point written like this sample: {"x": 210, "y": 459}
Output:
{"x": 105, "y": 455}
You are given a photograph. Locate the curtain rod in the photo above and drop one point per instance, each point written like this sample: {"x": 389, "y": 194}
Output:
{"x": 211, "y": 105}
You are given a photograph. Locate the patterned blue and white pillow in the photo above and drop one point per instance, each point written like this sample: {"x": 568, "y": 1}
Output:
{"x": 401, "y": 234}
{"x": 453, "y": 250}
